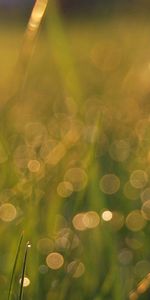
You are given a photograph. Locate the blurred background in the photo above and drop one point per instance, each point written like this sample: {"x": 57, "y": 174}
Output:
{"x": 75, "y": 149}
{"x": 75, "y": 7}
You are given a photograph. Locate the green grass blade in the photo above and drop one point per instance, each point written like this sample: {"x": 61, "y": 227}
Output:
{"x": 14, "y": 267}
{"x": 23, "y": 270}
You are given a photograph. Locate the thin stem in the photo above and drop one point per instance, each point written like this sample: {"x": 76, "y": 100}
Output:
{"x": 23, "y": 270}
{"x": 14, "y": 267}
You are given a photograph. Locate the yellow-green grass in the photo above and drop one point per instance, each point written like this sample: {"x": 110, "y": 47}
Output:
{"x": 85, "y": 85}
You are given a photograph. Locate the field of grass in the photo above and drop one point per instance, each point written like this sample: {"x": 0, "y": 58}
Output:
{"x": 74, "y": 158}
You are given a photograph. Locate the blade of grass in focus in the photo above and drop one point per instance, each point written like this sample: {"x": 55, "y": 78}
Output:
{"x": 23, "y": 271}
{"x": 14, "y": 267}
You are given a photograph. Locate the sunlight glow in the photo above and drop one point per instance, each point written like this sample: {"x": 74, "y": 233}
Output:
{"x": 107, "y": 215}
{"x": 26, "y": 281}
{"x": 36, "y": 16}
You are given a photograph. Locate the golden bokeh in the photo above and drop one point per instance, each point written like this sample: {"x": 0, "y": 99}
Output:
{"x": 138, "y": 179}
{"x": 55, "y": 260}
{"x": 135, "y": 221}
{"x": 8, "y": 212}
{"x": 78, "y": 222}
{"x": 110, "y": 184}
{"x": 34, "y": 166}
{"x": 75, "y": 151}
{"x": 146, "y": 210}
{"x": 77, "y": 177}
{"x": 107, "y": 215}
{"x": 26, "y": 281}
{"x": 91, "y": 219}
{"x": 65, "y": 189}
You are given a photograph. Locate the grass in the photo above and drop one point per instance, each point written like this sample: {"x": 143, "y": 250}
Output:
{"x": 75, "y": 108}
{"x": 23, "y": 271}
{"x": 14, "y": 268}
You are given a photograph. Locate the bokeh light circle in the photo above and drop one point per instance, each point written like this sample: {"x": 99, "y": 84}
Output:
{"x": 77, "y": 177}
{"x": 78, "y": 222}
{"x": 65, "y": 189}
{"x": 7, "y": 212}
{"x": 26, "y": 281}
{"x": 91, "y": 219}
{"x": 135, "y": 221}
{"x": 146, "y": 210}
{"x": 138, "y": 179}
{"x": 55, "y": 260}
{"x": 110, "y": 184}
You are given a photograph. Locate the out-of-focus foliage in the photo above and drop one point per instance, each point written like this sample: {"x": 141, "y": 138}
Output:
{"x": 74, "y": 156}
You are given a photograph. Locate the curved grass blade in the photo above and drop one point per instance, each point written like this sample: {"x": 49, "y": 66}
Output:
{"x": 23, "y": 270}
{"x": 14, "y": 267}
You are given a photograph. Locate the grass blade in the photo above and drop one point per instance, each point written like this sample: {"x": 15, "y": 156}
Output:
{"x": 23, "y": 270}
{"x": 14, "y": 267}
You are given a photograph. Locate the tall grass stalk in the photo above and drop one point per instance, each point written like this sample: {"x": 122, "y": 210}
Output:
{"x": 23, "y": 271}
{"x": 14, "y": 267}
